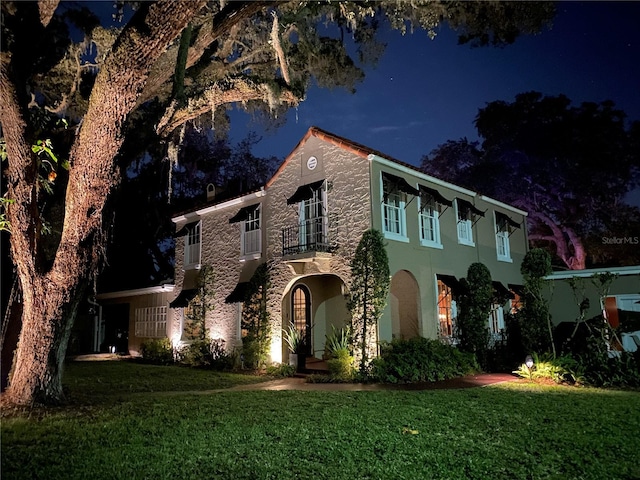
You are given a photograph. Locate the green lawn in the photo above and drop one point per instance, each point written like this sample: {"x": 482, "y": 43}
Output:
{"x": 510, "y": 431}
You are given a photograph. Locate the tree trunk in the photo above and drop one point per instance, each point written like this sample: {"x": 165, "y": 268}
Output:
{"x": 51, "y": 293}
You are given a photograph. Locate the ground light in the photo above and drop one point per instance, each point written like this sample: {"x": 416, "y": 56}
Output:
{"x": 529, "y": 364}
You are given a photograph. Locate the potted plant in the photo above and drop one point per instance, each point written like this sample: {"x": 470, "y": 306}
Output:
{"x": 295, "y": 340}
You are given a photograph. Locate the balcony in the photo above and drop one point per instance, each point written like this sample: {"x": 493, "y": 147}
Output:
{"x": 308, "y": 237}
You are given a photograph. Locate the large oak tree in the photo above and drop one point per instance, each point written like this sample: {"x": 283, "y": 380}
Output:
{"x": 172, "y": 63}
{"x": 569, "y": 166}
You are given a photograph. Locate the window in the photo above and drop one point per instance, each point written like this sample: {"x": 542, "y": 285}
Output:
{"x": 515, "y": 302}
{"x": 502, "y": 238}
{"x": 313, "y": 221}
{"x": 465, "y": 224}
{"x": 446, "y": 312}
{"x": 429, "y": 221}
{"x": 151, "y": 322}
{"x": 251, "y": 233}
{"x": 192, "y": 245}
{"x": 394, "y": 201}
{"x": 496, "y": 324}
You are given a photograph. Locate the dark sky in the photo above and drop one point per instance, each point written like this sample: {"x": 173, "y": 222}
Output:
{"x": 424, "y": 92}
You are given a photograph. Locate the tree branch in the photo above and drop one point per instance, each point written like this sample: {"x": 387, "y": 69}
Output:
{"x": 47, "y": 8}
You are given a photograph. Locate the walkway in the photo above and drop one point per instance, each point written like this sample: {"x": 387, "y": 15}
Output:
{"x": 299, "y": 383}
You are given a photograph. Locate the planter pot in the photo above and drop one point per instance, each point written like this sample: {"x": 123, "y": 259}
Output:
{"x": 293, "y": 359}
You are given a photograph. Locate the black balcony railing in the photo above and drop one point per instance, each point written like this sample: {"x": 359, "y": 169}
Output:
{"x": 308, "y": 236}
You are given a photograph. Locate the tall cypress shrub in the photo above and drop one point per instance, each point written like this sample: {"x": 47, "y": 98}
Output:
{"x": 368, "y": 297}
{"x": 475, "y": 308}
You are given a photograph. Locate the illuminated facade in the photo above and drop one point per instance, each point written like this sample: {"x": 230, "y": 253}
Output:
{"x": 306, "y": 223}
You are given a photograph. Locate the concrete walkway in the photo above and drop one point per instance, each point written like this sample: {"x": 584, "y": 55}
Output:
{"x": 299, "y": 383}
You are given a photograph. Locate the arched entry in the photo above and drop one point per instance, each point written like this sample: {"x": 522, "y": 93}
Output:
{"x": 316, "y": 301}
{"x": 405, "y": 305}
{"x": 301, "y": 314}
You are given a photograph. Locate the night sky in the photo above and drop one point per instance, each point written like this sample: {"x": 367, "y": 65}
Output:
{"x": 424, "y": 92}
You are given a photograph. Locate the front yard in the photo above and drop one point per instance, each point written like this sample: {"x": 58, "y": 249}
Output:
{"x": 509, "y": 431}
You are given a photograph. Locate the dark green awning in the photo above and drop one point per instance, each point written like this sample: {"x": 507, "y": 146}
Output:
{"x": 437, "y": 196}
{"x": 304, "y": 192}
{"x": 238, "y": 293}
{"x": 468, "y": 206}
{"x": 186, "y": 229}
{"x": 399, "y": 184}
{"x": 501, "y": 217}
{"x": 244, "y": 213}
{"x": 183, "y": 299}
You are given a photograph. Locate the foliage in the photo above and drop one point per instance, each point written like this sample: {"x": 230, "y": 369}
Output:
{"x": 475, "y": 307}
{"x": 368, "y": 293}
{"x": 158, "y": 351}
{"x": 420, "y": 359}
{"x": 281, "y": 370}
{"x": 337, "y": 341}
{"x": 563, "y": 369}
{"x": 294, "y": 338}
{"x": 341, "y": 365}
{"x": 200, "y": 306}
{"x": 255, "y": 320}
{"x": 533, "y": 320}
{"x": 543, "y": 154}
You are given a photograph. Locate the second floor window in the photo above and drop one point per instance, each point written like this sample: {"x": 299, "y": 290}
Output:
{"x": 192, "y": 245}
{"x": 394, "y": 200}
{"x": 465, "y": 223}
{"x": 504, "y": 228}
{"x": 313, "y": 219}
{"x": 429, "y": 221}
{"x": 251, "y": 233}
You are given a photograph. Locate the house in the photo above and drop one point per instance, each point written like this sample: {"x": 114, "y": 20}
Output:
{"x": 306, "y": 223}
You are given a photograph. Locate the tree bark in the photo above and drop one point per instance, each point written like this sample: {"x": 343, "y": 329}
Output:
{"x": 51, "y": 294}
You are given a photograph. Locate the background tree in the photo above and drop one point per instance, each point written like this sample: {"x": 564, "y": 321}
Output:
{"x": 172, "y": 63}
{"x": 368, "y": 294}
{"x": 475, "y": 308}
{"x": 569, "y": 166}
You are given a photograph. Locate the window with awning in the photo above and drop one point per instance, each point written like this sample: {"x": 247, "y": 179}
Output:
{"x": 183, "y": 299}
{"x": 393, "y": 184}
{"x": 304, "y": 192}
{"x": 244, "y": 213}
{"x": 237, "y": 295}
{"x": 435, "y": 194}
{"x": 186, "y": 229}
{"x": 501, "y": 292}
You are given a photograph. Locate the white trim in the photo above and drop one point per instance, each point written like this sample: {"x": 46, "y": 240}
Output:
{"x": 424, "y": 176}
{"x": 214, "y": 208}
{"x": 135, "y": 292}
{"x": 504, "y": 205}
{"x": 630, "y": 270}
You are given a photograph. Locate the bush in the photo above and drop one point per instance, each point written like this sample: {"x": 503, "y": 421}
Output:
{"x": 563, "y": 369}
{"x": 207, "y": 354}
{"x": 421, "y": 360}
{"x": 158, "y": 351}
{"x": 281, "y": 370}
{"x": 341, "y": 366}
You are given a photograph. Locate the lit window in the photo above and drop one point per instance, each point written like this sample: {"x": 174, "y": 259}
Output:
{"x": 251, "y": 233}
{"x": 496, "y": 324}
{"x": 192, "y": 245}
{"x": 429, "y": 221}
{"x": 446, "y": 312}
{"x": 314, "y": 221}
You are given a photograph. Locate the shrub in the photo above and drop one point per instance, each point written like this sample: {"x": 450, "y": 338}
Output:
{"x": 563, "y": 369}
{"x": 341, "y": 366}
{"x": 207, "y": 354}
{"x": 421, "y": 360}
{"x": 281, "y": 370}
{"x": 157, "y": 350}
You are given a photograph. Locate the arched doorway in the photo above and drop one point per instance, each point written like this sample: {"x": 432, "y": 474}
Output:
{"x": 301, "y": 314}
{"x": 405, "y": 305}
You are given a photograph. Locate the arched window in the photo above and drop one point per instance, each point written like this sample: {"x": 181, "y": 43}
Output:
{"x": 301, "y": 313}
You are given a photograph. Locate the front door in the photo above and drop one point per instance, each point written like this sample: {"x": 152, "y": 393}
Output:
{"x": 301, "y": 313}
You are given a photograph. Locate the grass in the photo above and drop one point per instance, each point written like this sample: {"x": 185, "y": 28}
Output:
{"x": 510, "y": 431}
